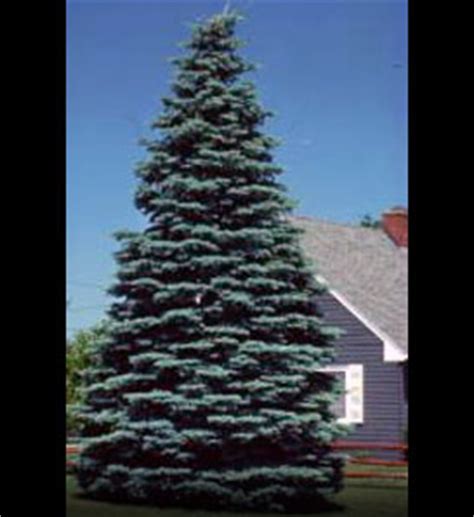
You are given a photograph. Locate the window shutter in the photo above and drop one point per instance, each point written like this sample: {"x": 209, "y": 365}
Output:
{"x": 355, "y": 393}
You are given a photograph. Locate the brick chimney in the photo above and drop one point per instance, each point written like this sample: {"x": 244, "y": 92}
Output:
{"x": 395, "y": 225}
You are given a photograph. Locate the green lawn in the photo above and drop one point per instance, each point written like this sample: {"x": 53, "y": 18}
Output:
{"x": 361, "y": 498}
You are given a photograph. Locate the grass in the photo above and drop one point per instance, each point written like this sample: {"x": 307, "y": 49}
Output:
{"x": 360, "y": 497}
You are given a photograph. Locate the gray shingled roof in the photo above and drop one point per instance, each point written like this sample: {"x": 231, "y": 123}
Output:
{"x": 364, "y": 266}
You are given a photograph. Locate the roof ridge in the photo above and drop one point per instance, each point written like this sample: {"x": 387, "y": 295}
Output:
{"x": 334, "y": 223}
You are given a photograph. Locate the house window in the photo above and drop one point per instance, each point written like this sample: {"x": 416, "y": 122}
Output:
{"x": 349, "y": 408}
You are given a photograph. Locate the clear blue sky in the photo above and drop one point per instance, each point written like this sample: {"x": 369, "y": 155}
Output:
{"x": 334, "y": 72}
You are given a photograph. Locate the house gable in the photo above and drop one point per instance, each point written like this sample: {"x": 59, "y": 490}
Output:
{"x": 383, "y": 417}
{"x": 391, "y": 351}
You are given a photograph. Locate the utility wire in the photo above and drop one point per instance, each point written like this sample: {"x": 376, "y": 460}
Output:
{"x": 86, "y": 284}
{"x": 87, "y": 308}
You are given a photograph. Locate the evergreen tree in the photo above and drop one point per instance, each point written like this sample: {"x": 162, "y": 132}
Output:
{"x": 79, "y": 356}
{"x": 207, "y": 393}
{"x": 368, "y": 221}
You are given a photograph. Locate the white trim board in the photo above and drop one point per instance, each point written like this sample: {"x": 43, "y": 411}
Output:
{"x": 391, "y": 351}
{"x": 354, "y": 391}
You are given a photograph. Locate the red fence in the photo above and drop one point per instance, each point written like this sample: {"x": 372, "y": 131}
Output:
{"x": 370, "y": 446}
{"x": 72, "y": 448}
{"x": 340, "y": 445}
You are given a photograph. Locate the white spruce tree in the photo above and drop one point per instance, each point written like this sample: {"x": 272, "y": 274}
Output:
{"x": 206, "y": 392}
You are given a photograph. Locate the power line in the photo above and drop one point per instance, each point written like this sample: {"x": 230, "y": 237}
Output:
{"x": 87, "y": 308}
{"x": 86, "y": 284}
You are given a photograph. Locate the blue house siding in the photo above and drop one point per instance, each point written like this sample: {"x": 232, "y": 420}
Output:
{"x": 384, "y": 417}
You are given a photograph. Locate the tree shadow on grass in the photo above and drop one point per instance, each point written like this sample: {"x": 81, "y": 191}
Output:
{"x": 205, "y": 508}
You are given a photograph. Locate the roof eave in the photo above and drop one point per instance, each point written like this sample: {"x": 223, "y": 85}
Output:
{"x": 392, "y": 351}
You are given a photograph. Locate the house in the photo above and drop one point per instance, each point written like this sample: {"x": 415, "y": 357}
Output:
{"x": 366, "y": 271}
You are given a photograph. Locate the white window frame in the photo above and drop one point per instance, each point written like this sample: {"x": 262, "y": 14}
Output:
{"x": 354, "y": 392}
